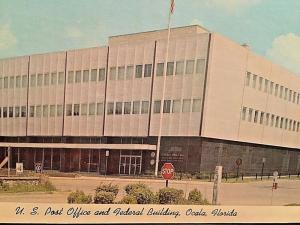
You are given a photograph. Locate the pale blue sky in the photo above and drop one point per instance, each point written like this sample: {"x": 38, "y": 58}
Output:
{"x": 270, "y": 27}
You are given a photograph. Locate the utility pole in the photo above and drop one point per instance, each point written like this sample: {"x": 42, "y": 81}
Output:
{"x": 8, "y": 162}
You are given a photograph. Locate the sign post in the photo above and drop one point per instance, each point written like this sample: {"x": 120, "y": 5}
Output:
{"x": 275, "y": 184}
{"x": 19, "y": 168}
{"x": 167, "y": 172}
{"x": 38, "y": 167}
{"x": 238, "y": 162}
{"x": 217, "y": 182}
{"x": 106, "y": 159}
{"x": 262, "y": 167}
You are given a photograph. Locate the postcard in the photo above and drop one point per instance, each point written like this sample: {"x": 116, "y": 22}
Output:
{"x": 161, "y": 111}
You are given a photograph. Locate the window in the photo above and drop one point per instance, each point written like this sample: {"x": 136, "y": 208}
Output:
{"x": 45, "y": 110}
{"x": 31, "y": 111}
{"x": 100, "y": 108}
{"x": 255, "y": 116}
{"x": 86, "y": 75}
{"x": 160, "y": 69}
{"x": 33, "y": 80}
{"x": 294, "y": 97}
{"x": 68, "y": 110}
{"x": 147, "y": 70}
{"x": 170, "y": 68}
{"x": 46, "y": 79}
{"x": 281, "y": 122}
{"x": 138, "y": 71}
{"x": 281, "y": 92}
{"x": 61, "y": 77}
{"x": 92, "y": 109}
{"x": 248, "y": 77}
{"x": 101, "y": 74}
{"x": 83, "y": 110}
{"x": 250, "y": 115}
{"x": 1, "y": 86}
{"x": 76, "y": 109}
{"x": 53, "y": 78}
{"x": 78, "y": 76}
{"x": 38, "y": 111}
{"x": 127, "y": 107}
{"x": 176, "y": 106}
{"x": 129, "y": 72}
{"x": 179, "y": 67}
{"x": 186, "y": 105}
{"x": 189, "y": 69}
{"x": 298, "y": 124}
{"x": 196, "y": 105}
{"x": 110, "y": 108}
{"x": 11, "y": 112}
{"x": 156, "y": 108}
{"x": 121, "y": 72}
{"x": 4, "y": 112}
{"x": 266, "y": 86}
{"x": 11, "y": 82}
{"x": 290, "y": 95}
{"x": 112, "y": 73}
{"x": 145, "y": 107}
{"x": 285, "y": 93}
{"x": 271, "y": 87}
{"x": 5, "y": 82}
{"x": 294, "y": 125}
{"x": 286, "y": 123}
{"x": 254, "y": 78}
{"x": 17, "y": 111}
{"x": 52, "y": 110}
{"x": 260, "y": 83}
{"x": 23, "y": 111}
{"x": 272, "y": 120}
{"x": 70, "y": 77}
{"x": 298, "y": 97}
{"x": 267, "y": 119}
{"x": 276, "y": 89}
{"x": 59, "y": 110}
{"x": 244, "y": 110}
{"x": 119, "y": 106}
{"x": 167, "y": 106}
{"x": 94, "y": 75}
{"x": 290, "y": 125}
{"x": 277, "y": 121}
{"x": 39, "y": 80}
{"x": 136, "y": 107}
{"x": 200, "y": 67}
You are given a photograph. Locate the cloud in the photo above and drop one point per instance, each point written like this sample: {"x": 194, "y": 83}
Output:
{"x": 232, "y": 6}
{"x": 7, "y": 38}
{"x": 285, "y": 50}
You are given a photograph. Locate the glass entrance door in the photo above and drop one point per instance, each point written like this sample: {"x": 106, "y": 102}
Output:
{"x": 130, "y": 164}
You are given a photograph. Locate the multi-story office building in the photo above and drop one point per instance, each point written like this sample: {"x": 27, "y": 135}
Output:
{"x": 98, "y": 109}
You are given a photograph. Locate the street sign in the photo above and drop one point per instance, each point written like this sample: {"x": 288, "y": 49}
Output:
{"x": 38, "y": 167}
{"x": 239, "y": 162}
{"x": 168, "y": 171}
{"x": 19, "y": 167}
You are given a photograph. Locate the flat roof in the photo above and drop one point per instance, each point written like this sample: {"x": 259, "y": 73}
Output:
{"x": 143, "y": 147}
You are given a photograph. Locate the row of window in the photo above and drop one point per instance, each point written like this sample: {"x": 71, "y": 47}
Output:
{"x": 272, "y": 88}
{"x": 268, "y": 119}
{"x": 172, "y": 68}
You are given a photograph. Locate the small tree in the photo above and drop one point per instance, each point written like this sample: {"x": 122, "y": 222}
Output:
{"x": 79, "y": 197}
{"x": 195, "y": 197}
{"x": 104, "y": 197}
{"x": 108, "y": 188}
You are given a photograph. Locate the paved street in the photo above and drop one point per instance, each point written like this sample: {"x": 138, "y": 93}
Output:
{"x": 248, "y": 193}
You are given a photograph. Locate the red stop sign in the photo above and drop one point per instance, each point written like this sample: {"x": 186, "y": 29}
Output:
{"x": 168, "y": 171}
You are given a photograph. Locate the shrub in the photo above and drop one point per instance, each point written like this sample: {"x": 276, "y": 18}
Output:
{"x": 128, "y": 199}
{"x": 4, "y": 186}
{"x": 104, "y": 197}
{"x": 170, "y": 196}
{"x": 129, "y": 188}
{"x": 195, "y": 197}
{"x": 108, "y": 188}
{"x": 79, "y": 197}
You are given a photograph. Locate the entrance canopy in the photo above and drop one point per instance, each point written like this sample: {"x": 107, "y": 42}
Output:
{"x": 144, "y": 147}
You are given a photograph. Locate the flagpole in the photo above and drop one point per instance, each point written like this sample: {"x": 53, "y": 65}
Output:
{"x": 163, "y": 91}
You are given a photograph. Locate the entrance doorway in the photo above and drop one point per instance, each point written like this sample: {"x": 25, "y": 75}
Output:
{"x": 130, "y": 163}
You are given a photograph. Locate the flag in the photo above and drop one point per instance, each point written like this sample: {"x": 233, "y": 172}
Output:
{"x": 172, "y": 5}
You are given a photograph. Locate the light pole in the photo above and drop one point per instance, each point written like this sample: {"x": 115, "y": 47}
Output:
{"x": 262, "y": 167}
{"x": 106, "y": 159}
